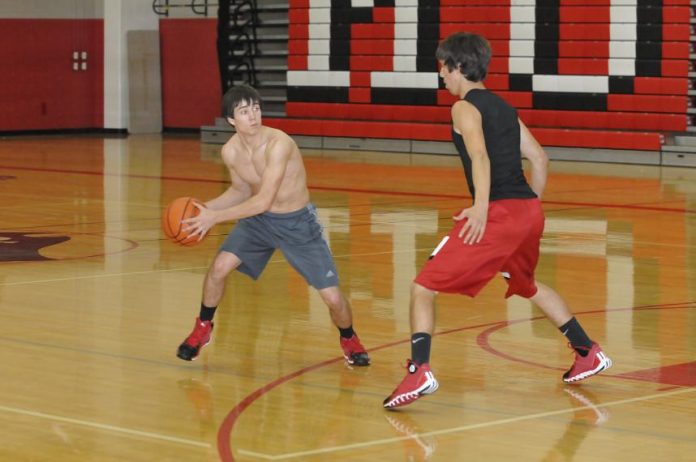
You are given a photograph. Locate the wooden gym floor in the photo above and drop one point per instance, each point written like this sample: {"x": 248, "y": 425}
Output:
{"x": 94, "y": 301}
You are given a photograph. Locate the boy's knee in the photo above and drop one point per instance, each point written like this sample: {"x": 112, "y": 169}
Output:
{"x": 333, "y": 298}
{"x": 220, "y": 269}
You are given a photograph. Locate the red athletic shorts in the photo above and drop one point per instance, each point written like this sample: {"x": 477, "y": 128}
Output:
{"x": 510, "y": 245}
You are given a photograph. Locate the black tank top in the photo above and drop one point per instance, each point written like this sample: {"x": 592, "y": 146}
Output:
{"x": 501, "y": 130}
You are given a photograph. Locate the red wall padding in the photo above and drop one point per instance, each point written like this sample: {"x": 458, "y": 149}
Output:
{"x": 39, "y": 89}
{"x": 191, "y": 91}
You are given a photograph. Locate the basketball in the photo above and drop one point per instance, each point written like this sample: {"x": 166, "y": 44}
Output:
{"x": 177, "y": 210}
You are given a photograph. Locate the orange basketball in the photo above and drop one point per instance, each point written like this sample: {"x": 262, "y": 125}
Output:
{"x": 177, "y": 210}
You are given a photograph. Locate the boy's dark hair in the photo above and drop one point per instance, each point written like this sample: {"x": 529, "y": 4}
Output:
{"x": 470, "y": 53}
{"x": 239, "y": 95}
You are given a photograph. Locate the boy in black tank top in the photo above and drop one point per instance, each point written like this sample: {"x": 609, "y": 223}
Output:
{"x": 500, "y": 232}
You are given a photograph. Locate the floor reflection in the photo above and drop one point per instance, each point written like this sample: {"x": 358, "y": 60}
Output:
{"x": 588, "y": 415}
{"x": 417, "y": 446}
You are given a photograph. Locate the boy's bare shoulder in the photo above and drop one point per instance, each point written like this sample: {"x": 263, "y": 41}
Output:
{"x": 229, "y": 149}
{"x": 279, "y": 137}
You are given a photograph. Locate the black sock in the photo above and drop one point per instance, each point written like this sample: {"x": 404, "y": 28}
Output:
{"x": 576, "y": 336}
{"x": 207, "y": 313}
{"x": 348, "y": 332}
{"x": 420, "y": 348}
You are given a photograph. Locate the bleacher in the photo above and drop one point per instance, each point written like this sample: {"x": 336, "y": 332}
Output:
{"x": 584, "y": 74}
{"x": 612, "y": 83}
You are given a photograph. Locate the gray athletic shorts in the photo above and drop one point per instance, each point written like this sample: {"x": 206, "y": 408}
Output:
{"x": 297, "y": 234}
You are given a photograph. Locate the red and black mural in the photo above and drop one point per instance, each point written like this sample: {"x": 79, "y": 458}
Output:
{"x": 596, "y": 73}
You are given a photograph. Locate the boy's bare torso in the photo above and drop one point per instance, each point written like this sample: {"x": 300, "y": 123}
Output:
{"x": 272, "y": 149}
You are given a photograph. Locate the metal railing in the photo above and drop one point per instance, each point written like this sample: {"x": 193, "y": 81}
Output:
{"x": 198, "y": 7}
{"x": 243, "y": 64}
{"x": 243, "y": 43}
{"x": 240, "y": 35}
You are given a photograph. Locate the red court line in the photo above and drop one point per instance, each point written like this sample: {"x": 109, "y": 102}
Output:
{"x": 483, "y": 342}
{"x": 224, "y": 434}
{"x": 357, "y": 190}
{"x": 225, "y": 431}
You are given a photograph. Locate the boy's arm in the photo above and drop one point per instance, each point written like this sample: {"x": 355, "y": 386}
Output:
{"x": 467, "y": 120}
{"x": 238, "y": 192}
{"x": 276, "y": 164}
{"x": 277, "y": 159}
{"x": 532, "y": 151}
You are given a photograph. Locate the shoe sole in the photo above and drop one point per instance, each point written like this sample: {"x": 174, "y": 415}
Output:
{"x": 361, "y": 362}
{"x": 604, "y": 364}
{"x": 197, "y": 354}
{"x": 428, "y": 388}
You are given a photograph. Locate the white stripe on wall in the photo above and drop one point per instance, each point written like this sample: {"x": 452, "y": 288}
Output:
{"x": 405, "y": 14}
{"x": 622, "y": 50}
{"x": 318, "y": 62}
{"x": 620, "y": 14}
{"x": 405, "y": 47}
{"x": 320, "y": 15}
{"x": 524, "y": 14}
{"x": 319, "y": 78}
{"x": 622, "y": 38}
{"x": 622, "y": 67}
{"x": 404, "y": 63}
{"x": 319, "y": 31}
{"x": 522, "y": 34}
{"x": 619, "y": 31}
{"x": 521, "y": 65}
{"x": 522, "y": 31}
{"x": 319, "y": 47}
{"x": 571, "y": 83}
{"x": 522, "y": 48}
{"x": 406, "y": 31}
{"x": 404, "y": 79}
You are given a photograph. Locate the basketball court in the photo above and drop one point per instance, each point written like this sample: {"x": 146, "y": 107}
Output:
{"x": 94, "y": 302}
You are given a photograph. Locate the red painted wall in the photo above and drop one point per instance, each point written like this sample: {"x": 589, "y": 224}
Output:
{"x": 191, "y": 94}
{"x": 39, "y": 90}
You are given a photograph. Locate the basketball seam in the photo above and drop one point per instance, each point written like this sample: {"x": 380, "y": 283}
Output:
{"x": 179, "y": 240}
{"x": 165, "y": 223}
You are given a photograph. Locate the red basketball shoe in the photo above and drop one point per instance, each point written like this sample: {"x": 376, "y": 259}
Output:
{"x": 200, "y": 337}
{"x": 354, "y": 352}
{"x": 587, "y": 366}
{"x": 419, "y": 381}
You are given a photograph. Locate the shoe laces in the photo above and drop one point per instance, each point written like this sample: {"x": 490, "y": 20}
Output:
{"x": 198, "y": 333}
